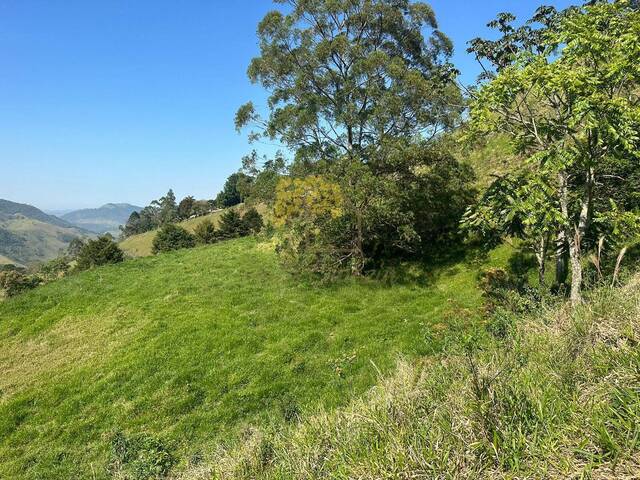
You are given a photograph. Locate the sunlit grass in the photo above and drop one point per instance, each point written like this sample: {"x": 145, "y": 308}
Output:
{"x": 190, "y": 346}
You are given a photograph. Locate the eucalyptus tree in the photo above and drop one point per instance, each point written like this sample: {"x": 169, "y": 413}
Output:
{"x": 350, "y": 82}
{"x": 569, "y": 100}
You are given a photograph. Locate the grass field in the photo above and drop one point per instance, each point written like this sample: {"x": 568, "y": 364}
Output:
{"x": 553, "y": 394}
{"x": 191, "y": 346}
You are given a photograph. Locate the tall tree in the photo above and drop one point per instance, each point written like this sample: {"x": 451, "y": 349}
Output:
{"x": 345, "y": 75}
{"x": 352, "y": 83}
{"x": 186, "y": 207}
{"x": 234, "y": 190}
{"x": 570, "y": 103}
{"x": 168, "y": 209}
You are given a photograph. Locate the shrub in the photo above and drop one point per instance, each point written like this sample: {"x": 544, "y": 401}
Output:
{"x": 252, "y": 221}
{"x": 74, "y": 248}
{"x": 206, "y": 233}
{"x": 231, "y": 225}
{"x": 101, "y": 251}
{"x": 54, "y": 269}
{"x": 14, "y": 282}
{"x": 172, "y": 237}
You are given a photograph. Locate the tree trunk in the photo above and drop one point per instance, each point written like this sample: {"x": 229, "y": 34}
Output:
{"x": 562, "y": 258}
{"x": 576, "y": 270}
{"x": 358, "y": 255}
{"x": 541, "y": 256}
{"x": 575, "y": 240}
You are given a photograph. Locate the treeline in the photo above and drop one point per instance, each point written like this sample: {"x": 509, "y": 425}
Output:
{"x": 256, "y": 181}
{"x": 165, "y": 210}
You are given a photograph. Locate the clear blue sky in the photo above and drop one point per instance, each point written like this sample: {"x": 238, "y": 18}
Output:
{"x": 119, "y": 100}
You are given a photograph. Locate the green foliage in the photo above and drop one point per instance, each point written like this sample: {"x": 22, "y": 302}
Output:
{"x": 231, "y": 225}
{"x": 102, "y": 251}
{"x": 172, "y": 237}
{"x": 340, "y": 74}
{"x": 554, "y": 95}
{"x": 167, "y": 208}
{"x": 234, "y": 191}
{"x": 75, "y": 247}
{"x": 252, "y": 221}
{"x": 186, "y": 208}
{"x": 14, "y": 282}
{"x": 158, "y": 213}
{"x": 264, "y": 177}
{"x": 356, "y": 215}
{"x": 54, "y": 269}
{"x": 206, "y": 233}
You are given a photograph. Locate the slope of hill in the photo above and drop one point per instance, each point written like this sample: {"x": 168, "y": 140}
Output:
{"x": 167, "y": 355}
{"x": 555, "y": 396}
{"x": 28, "y": 235}
{"x": 106, "y": 219}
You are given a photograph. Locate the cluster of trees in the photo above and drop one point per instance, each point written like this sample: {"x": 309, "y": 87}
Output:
{"x": 565, "y": 88}
{"x": 361, "y": 92}
{"x": 164, "y": 211}
{"x": 365, "y": 95}
{"x": 80, "y": 255}
{"x": 231, "y": 225}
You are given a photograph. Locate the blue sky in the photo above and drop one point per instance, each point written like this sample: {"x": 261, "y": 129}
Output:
{"x": 119, "y": 100}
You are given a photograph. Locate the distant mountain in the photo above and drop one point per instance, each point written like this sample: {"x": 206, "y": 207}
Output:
{"x": 106, "y": 219}
{"x": 9, "y": 209}
{"x": 28, "y": 235}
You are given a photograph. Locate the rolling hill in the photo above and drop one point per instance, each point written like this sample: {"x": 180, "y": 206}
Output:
{"x": 106, "y": 219}
{"x": 28, "y": 235}
{"x": 177, "y": 352}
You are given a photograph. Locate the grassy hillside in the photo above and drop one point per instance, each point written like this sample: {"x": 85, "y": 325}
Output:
{"x": 8, "y": 261}
{"x": 141, "y": 245}
{"x": 27, "y": 241}
{"x": 554, "y": 396}
{"x": 182, "y": 350}
{"x": 28, "y": 235}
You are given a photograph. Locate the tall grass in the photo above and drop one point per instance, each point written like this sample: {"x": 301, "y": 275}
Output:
{"x": 559, "y": 397}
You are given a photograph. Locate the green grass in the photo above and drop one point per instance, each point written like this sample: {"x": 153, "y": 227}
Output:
{"x": 556, "y": 396}
{"x": 191, "y": 346}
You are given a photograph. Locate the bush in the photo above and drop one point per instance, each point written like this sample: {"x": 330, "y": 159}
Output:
{"x": 206, "y": 233}
{"x": 14, "y": 282}
{"x": 102, "y": 251}
{"x": 54, "y": 269}
{"x": 231, "y": 225}
{"x": 252, "y": 221}
{"x": 172, "y": 237}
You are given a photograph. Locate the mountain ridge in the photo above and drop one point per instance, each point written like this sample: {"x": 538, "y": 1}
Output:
{"x": 28, "y": 235}
{"x": 105, "y": 219}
